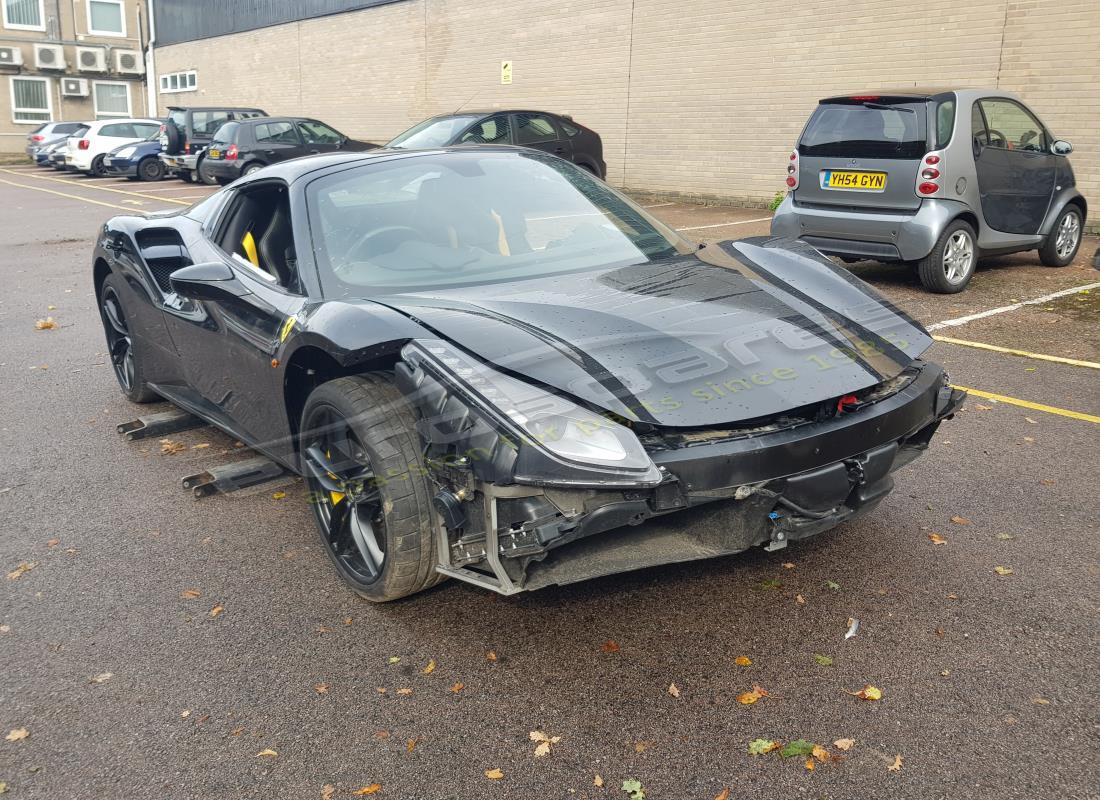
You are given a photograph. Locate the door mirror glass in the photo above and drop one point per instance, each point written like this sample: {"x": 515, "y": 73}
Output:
{"x": 209, "y": 281}
{"x": 1061, "y": 148}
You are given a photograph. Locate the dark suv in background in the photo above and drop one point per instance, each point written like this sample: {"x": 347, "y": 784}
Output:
{"x": 242, "y": 147}
{"x": 188, "y": 131}
{"x": 557, "y": 134}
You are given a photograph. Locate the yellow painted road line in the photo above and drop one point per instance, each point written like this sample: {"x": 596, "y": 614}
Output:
{"x": 65, "y": 194}
{"x": 1073, "y": 362}
{"x": 104, "y": 188}
{"x": 1061, "y": 412}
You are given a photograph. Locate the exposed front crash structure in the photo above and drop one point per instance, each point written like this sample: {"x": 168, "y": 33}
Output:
{"x": 515, "y": 516}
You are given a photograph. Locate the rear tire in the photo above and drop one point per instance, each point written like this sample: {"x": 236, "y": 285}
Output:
{"x": 124, "y": 352}
{"x": 97, "y": 170}
{"x": 1064, "y": 239}
{"x": 382, "y": 541}
{"x": 950, "y": 266}
{"x": 150, "y": 168}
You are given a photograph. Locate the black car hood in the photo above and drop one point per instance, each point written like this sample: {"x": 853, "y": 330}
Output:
{"x": 742, "y": 330}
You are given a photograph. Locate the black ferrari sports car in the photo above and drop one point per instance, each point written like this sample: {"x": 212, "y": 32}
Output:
{"x": 489, "y": 365}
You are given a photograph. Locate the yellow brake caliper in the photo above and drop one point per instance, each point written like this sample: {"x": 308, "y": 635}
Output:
{"x": 336, "y": 497}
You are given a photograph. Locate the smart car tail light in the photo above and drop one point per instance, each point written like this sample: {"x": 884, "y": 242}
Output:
{"x": 792, "y": 171}
{"x": 930, "y": 177}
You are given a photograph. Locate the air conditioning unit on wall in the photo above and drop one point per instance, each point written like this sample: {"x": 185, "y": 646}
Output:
{"x": 74, "y": 87}
{"x": 91, "y": 59}
{"x": 128, "y": 62}
{"x": 11, "y": 56}
{"x": 49, "y": 56}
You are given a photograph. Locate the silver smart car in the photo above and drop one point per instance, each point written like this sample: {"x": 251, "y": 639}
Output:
{"x": 937, "y": 177}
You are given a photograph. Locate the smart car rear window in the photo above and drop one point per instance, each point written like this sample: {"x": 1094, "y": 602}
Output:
{"x": 866, "y": 130}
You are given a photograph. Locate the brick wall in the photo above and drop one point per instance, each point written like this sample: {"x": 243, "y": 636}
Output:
{"x": 703, "y": 99}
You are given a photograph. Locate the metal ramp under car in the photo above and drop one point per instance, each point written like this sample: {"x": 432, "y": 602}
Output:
{"x": 217, "y": 479}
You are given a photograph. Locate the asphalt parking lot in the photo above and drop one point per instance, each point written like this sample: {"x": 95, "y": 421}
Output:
{"x": 155, "y": 645}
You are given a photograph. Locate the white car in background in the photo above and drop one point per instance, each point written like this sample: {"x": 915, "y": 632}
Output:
{"x": 87, "y": 151}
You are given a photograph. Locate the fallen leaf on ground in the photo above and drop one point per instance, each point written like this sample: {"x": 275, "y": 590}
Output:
{"x": 1040, "y": 701}
{"x": 641, "y": 747}
{"x": 674, "y": 690}
{"x": 268, "y": 753}
{"x": 844, "y": 744}
{"x": 810, "y": 764}
{"x": 799, "y": 747}
{"x": 542, "y": 749}
{"x": 853, "y": 627}
{"x": 168, "y": 447}
{"x": 723, "y": 795}
{"x": 321, "y": 688}
{"x": 786, "y": 565}
{"x": 833, "y": 585}
{"x": 937, "y": 539}
{"x": 491, "y": 656}
{"x": 743, "y": 661}
{"x": 102, "y": 677}
{"x": 896, "y": 766}
{"x": 348, "y": 620}
{"x": 824, "y": 661}
{"x": 17, "y": 734}
{"x": 22, "y": 570}
{"x": 610, "y": 646}
{"x": 750, "y": 697}
{"x": 1047, "y": 481}
{"x": 759, "y": 747}
{"x": 405, "y": 691}
{"x": 216, "y": 610}
{"x": 374, "y": 788}
{"x": 1004, "y": 537}
{"x": 800, "y": 599}
{"x": 327, "y": 791}
{"x": 394, "y": 659}
{"x": 960, "y": 520}
{"x": 236, "y": 732}
{"x": 53, "y": 543}
{"x": 3, "y": 788}
{"x": 868, "y": 692}
{"x": 411, "y": 744}
{"x": 46, "y": 324}
{"x": 381, "y": 690}
{"x": 494, "y": 774}
{"x": 279, "y": 496}
{"x": 458, "y": 687}
{"x": 980, "y": 407}
{"x": 597, "y": 781}
{"x": 5, "y": 628}
{"x": 428, "y": 670}
{"x": 544, "y": 742}
{"x": 820, "y": 753}
{"x": 1003, "y": 570}
{"x": 200, "y": 446}
{"x": 1030, "y": 420}
{"x": 190, "y": 594}
{"x": 185, "y": 713}
{"x": 634, "y": 789}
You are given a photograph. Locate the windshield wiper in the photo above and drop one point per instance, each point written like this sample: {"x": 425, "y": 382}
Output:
{"x": 884, "y": 107}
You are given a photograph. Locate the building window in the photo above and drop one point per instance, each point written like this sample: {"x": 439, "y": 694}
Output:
{"x": 24, "y": 15}
{"x": 106, "y": 17}
{"x": 30, "y": 100}
{"x": 111, "y": 99}
{"x": 179, "y": 82}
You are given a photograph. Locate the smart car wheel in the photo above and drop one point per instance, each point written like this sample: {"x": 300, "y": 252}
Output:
{"x": 950, "y": 265}
{"x": 1060, "y": 247}
{"x": 151, "y": 168}
{"x": 361, "y": 458}
{"x": 125, "y": 358}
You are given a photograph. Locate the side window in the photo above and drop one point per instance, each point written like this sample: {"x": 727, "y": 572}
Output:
{"x": 206, "y": 123}
{"x": 145, "y": 129}
{"x": 977, "y": 125}
{"x": 276, "y": 133}
{"x": 570, "y": 129}
{"x": 493, "y": 130}
{"x": 256, "y": 232}
{"x": 1012, "y": 127}
{"x": 314, "y": 132}
{"x": 120, "y": 130}
{"x": 945, "y": 122}
{"x": 534, "y": 129}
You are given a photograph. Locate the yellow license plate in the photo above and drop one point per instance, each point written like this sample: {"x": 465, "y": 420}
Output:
{"x": 859, "y": 181}
{"x": 215, "y": 153}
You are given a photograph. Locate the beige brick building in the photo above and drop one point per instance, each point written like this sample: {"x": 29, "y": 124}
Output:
{"x": 695, "y": 98}
{"x": 69, "y": 60}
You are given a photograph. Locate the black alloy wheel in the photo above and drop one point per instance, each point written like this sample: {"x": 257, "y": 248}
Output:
{"x": 120, "y": 346}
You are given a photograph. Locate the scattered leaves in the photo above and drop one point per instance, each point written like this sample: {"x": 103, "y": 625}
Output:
{"x": 960, "y": 520}
{"x": 168, "y": 447}
{"x": 47, "y": 324}
{"x": 759, "y": 747}
{"x": 723, "y": 795}
{"x": 17, "y": 734}
{"x": 217, "y": 610}
{"x": 544, "y": 743}
{"x": 22, "y": 570}
{"x": 853, "y": 627}
{"x": 1004, "y": 537}
{"x": 980, "y": 407}
{"x": 800, "y": 599}
{"x": 430, "y": 668}
{"x": 810, "y": 764}
{"x": 823, "y": 661}
{"x": 750, "y": 697}
{"x": 674, "y": 690}
{"x": 788, "y": 565}
{"x": 641, "y": 747}
{"x": 610, "y": 646}
{"x": 1047, "y": 481}
{"x": 381, "y": 690}
{"x": 868, "y": 692}
{"x": 411, "y": 744}
{"x": 896, "y": 766}
{"x": 327, "y": 791}
{"x": 833, "y": 585}
{"x": 3, "y": 787}
{"x": 820, "y": 753}
{"x": 200, "y": 446}
{"x": 937, "y": 538}
{"x": 266, "y": 753}
{"x": 1040, "y": 701}
{"x": 374, "y": 788}
{"x": 494, "y": 774}
{"x": 491, "y": 656}
{"x": 53, "y": 543}
{"x": 458, "y": 687}
{"x": 1030, "y": 421}
{"x": 280, "y": 496}
{"x": 799, "y": 747}
{"x": 743, "y": 661}
{"x": 634, "y": 789}
{"x": 102, "y": 677}
{"x": 321, "y": 688}
{"x": 1003, "y": 570}
{"x": 395, "y": 659}
{"x": 185, "y": 713}
{"x": 597, "y": 781}
{"x": 844, "y": 744}
{"x": 405, "y": 691}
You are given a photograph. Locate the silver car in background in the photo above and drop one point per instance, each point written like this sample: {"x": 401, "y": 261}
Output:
{"x": 937, "y": 177}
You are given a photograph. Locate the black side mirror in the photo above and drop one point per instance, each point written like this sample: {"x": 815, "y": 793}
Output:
{"x": 210, "y": 281}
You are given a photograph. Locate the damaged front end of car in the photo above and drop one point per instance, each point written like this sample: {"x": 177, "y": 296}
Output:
{"x": 533, "y": 490}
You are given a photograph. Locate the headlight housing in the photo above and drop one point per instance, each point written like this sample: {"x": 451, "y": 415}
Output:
{"x": 583, "y": 447}
{"x": 125, "y": 152}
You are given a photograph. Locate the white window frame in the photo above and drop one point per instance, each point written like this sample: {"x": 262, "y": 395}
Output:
{"x": 109, "y": 115}
{"x": 14, "y": 27}
{"x": 15, "y": 111}
{"x": 122, "y": 15}
{"x": 181, "y": 81}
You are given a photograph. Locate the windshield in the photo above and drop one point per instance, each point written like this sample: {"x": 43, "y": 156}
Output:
{"x": 461, "y": 219}
{"x": 866, "y": 130}
{"x": 435, "y": 132}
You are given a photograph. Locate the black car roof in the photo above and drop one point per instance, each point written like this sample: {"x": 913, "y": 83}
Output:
{"x": 214, "y": 108}
{"x": 265, "y": 120}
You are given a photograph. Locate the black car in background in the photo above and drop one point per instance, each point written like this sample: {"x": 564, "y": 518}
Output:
{"x": 557, "y": 134}
{"x": 187, "y": 132}
{"x": 241, "y": 148}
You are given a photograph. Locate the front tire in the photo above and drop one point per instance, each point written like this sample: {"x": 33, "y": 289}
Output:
{"x": 150, "y": 168}
{"x": 371, "y": 500}
{"x": 1064, "y": 239}
{"x": 950, "y": 265}
{"x": 126, "y": 358}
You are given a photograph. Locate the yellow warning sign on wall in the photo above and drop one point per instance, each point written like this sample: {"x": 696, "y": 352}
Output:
{"x": 505, "y": 72}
